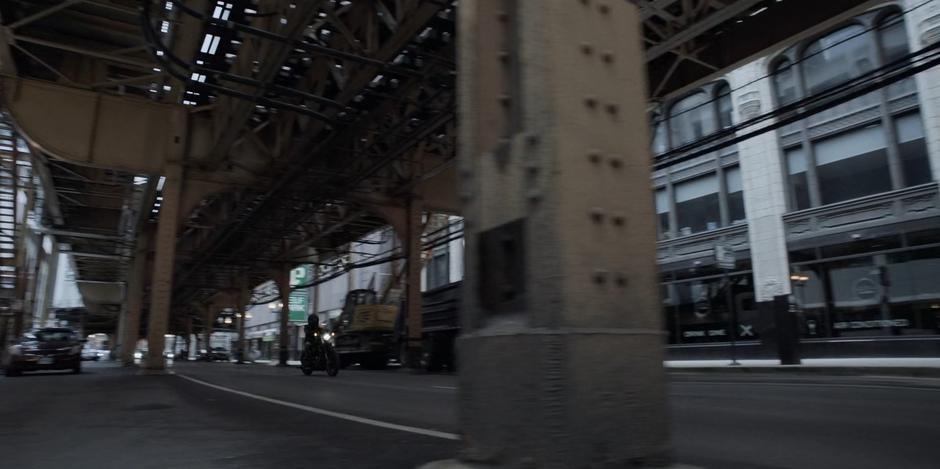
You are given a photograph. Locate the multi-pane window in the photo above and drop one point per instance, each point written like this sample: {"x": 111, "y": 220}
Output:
{"x": 697, "y": 205}
{"x": 852, "y": 164}
{"x": 701, "y": 203}
{"x": 861, "y": 159}
{"x": 785, "y": 83}
{"x": 438, "y": 269}
{"x": 797, "y": 177}
{"x": 735, "y": 195}
{"x": 725, "y": 110}
{"x": 912, "y": 149}
{"x": 837, "y": 58}
{"x": 662, "y": 213}
{"x": 692, "y": 118}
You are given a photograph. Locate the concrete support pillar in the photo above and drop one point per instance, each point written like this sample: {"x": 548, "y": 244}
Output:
{"x": 923, "y": 29}
{"x": 561, "y": 357}
{"x": 765, "y": 203}
{"x": 412, "y": 244}
{"x": 282, "y": 278}
{"x": 164, "y": 252}
{"x": 134, "y": 301}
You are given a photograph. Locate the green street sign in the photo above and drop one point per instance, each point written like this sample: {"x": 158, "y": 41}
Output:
{"x": 299, "y": 302}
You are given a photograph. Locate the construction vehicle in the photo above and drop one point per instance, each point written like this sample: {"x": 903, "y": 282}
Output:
{"x": 365, "y": 333}
{"x": 374, "y": 334}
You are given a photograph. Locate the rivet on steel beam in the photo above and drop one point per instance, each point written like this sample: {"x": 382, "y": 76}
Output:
{"x": 503, "y": 16}
{"x": 597, "y": 214}
{"x": 534, "y": 194}
{"x": 619, "y": 219}
{"x": 600, "y": 275}
{"x": 504, "y": 56}
{"x": 607, "y": 57}
{"x": 616, "y": 161}
{"x": 586, "y": 48}
{"x": 612, "y": 109}
{"x": 531, "y": 138}
{"x": 621, "y": 280}
{"x": 604, "y": 8}
{"x": 590, "y": 102}
{"x": 532, "y": 166}
{"x": 505, "y": 99}
{"x": 585, "y": 2}
{"x": 594, "y": 156}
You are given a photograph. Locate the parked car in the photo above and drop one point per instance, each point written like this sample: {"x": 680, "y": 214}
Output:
{"x": 220, "y": 354}
{"x": 52, "y": 348}
{"x": 93, "y": 354}
{"x": 215, "y": 354}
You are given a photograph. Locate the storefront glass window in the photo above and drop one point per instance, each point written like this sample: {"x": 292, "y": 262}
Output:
{"x": 697, "y": 310}
{"x": 894, "y": 293}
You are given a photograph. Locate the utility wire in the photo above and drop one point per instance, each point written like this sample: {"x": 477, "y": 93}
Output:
{"x": 884, "y": 24}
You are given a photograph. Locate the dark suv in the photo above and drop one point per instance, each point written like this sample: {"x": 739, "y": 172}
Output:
{"x": 51, "y": 348}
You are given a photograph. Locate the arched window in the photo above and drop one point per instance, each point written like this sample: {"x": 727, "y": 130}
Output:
{"x": 723, "y": 95}
{"x": 837, "y": 58}
{"x": 691, "y": 119}
{"x": 785, "y": 83}
{"x": 660, "y": 144}
{"x": 893, "y": 38}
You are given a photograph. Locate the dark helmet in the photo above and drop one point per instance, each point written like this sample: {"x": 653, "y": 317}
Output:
{"x": 313, "y": 319}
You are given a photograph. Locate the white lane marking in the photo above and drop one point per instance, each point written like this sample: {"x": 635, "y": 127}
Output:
{"x": 452, "y": 388}
{"x": 330, "y": 413}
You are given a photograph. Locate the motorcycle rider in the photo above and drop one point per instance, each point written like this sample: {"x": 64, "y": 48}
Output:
{"x": 312, "y": 331}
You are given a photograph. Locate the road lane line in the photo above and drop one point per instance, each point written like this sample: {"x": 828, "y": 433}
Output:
{"x": 330, "y": 413}
{"x": 452, "y": 388}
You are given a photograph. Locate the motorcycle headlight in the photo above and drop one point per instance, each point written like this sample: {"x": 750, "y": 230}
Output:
{"x": 326, "y": 336}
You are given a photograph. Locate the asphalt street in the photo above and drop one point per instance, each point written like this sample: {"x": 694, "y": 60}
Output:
{"x": 217, "y": 415}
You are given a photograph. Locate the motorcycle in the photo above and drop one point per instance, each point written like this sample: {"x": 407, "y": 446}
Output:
{"x": 319, "y": 355}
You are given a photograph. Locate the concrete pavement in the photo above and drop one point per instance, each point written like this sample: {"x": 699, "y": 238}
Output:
{"x": 112, "y": 417}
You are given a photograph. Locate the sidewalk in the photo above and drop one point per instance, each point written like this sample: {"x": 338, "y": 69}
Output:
{"x": 889, "y": 366}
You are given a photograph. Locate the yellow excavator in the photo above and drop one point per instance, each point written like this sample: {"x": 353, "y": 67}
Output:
{"x": 366, "y": 330}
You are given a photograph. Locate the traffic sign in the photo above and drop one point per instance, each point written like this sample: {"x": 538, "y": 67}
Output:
{"x": 724, "y": 256}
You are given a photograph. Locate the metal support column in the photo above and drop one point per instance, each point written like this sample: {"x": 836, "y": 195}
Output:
{"x": 52, "y": 272}
{"x": 282, "y": 278}
{"x": 242, "y": 296}
{"x": 164, "y": 252}
{"x": 412, "y": 242}
{"x": 134, "y": 301}
{"x": 208, "y": 312}
{"x": 561, "y": 357}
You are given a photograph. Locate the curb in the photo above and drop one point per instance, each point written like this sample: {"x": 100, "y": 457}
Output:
{"x": 919, "y": 372}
